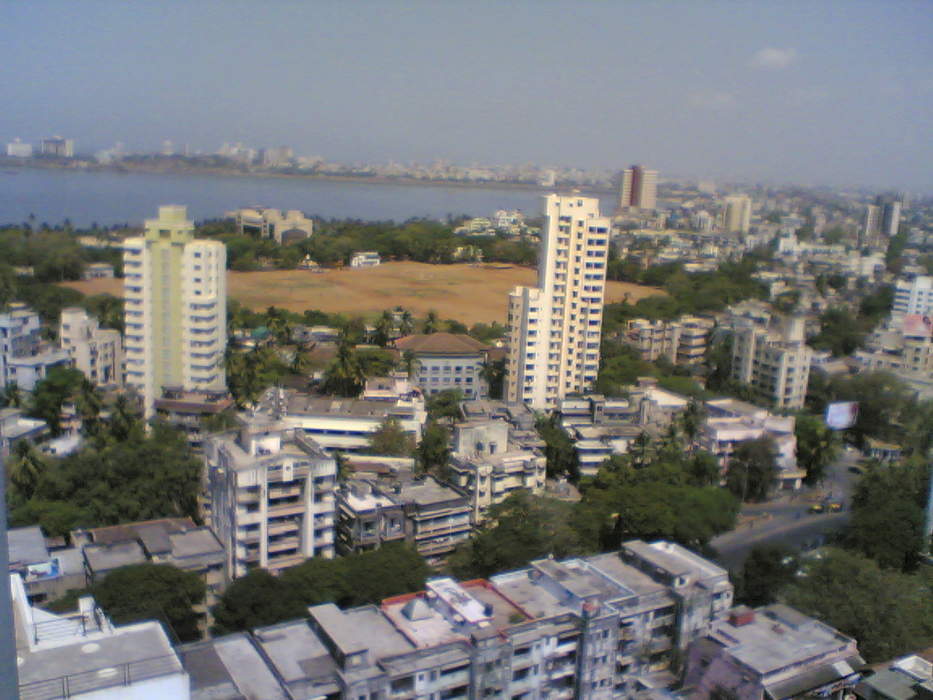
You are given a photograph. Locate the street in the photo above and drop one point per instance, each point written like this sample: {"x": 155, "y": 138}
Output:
{"x": 787, "y": 519}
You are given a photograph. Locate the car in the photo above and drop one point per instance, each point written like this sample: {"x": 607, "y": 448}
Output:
{"x": 857, "y": 469}
{"x": 835, "y": 507}
{"x": 817, "y": 508}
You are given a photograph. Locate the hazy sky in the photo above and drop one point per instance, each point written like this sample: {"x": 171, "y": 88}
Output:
{"x": 808, "y": 92}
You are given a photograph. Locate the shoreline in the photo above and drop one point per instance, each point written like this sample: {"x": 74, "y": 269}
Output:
{"x": 33, "y": 164}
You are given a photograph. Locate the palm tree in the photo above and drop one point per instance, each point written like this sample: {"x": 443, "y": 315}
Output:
{"x": 123, "y": 418}
{"x": 385, "y": 326}
{"x": 691, "y": 420}
{"x": 25, "y": 467}
{"x": 406, "y": 325}
{"x": 301, "y": 359}
{"x": 88, "y": 402}
{"x": 409, "y": 363}
{"x": 345, "y": 375}
{"x": 431, "y": 323}
{"x": 13, "y": 395}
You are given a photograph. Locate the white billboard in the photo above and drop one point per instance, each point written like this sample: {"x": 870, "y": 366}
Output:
{"x": 841, "y": 415}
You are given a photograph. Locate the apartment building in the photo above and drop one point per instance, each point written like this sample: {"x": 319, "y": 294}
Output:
{"x": 730, "y": 422}
{"x": 595, "y": 628}
{"x": 282, "y": 227}
{"x": 681, "y": 342}
{"x": 638, "y": 189}
{"x": 175, "y": 296}
{"x": 774, "y": 652}
{"x": 96, "y": 351}
{"x": 554, "y": 328}
{"x": 271, "y": 496}
{"x": 775, "y": 363}
{"x": 345, "y": 424}
{"x": 737, "y": 213}
{"x": 84, "y": 655}
{"x": 24, "y": 358}
{"x": 58, "y": 147}
{"x": 913, "y": 296}
{"x": 489, "y": 466}
{"x": 367, "y": 517}
{"x": 904, "y": 346}
{"x": 448, "y": 361}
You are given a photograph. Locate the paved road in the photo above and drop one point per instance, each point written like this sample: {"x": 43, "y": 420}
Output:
{"x": 787, "y": 520}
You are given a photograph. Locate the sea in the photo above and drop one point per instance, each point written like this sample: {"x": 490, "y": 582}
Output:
{"x": 109, "y": 198}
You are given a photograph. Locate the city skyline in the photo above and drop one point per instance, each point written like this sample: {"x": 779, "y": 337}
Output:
{"x": 829, "y": 104}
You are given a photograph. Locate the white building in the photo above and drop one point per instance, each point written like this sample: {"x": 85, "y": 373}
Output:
{"x": 639, "y": 189}
{"x": 368, "y": 258}
{"x": 24, "y": 359}
{"x": 554, "y": 328}
{"x": 281, "y": 227}
{"x": 175, "y": 308}
{"x": 913, "y": 296}
{"x": 271, "y": 496}
{"x": 84, "y": 655}
{"x": 96, "y": 351}
{"x": 58, "y": 147}
{"x": 776, "y": 364}
{"x": 737, "y": 214}
{"x": 18, "y": 149}
{"x": 447, "y": 361}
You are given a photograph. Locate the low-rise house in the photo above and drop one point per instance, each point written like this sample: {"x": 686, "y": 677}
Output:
{"x": 271, "y": 495}
{"x": 908, "y": 678}
{"x": 367, "y": 518}
{"x": 366, "y": 258}
{"x": 448, "y": 361}
{"x": 489, "y": 466}
{"x": 193, "y": 412}
{"x": 15, "y": 426}
{"x": 97, "y": 271}
{"x": 24, "y": 358}
{"x": 774, "y": 652}
{"x": 46, "y": 575}
{"x": 682, "y": 341}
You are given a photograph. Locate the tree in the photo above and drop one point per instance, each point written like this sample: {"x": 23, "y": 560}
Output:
{"x": 886, "y": 611}
{"x": 817, "y": 447}
{"x": 385, "y": 327}
{"x": 752, "y": 469}
{"x": 493, "y": 373}
{"x": 391, "y": 439}
{"x": 344, "y": 376}
{"x": 431, "y": 323}
{"x": 433, "y": 451}
{"x": 691, "y": 421}
{"x": 24, "y": 467}
{"x": 446, "y": 404}
{"x": 12, "y": 395}
{"x": 256, "y": 600}
{"x": 50, "y": 394}
{"x": 409, "y": 363}
{"x": 153, "y": 592}
{"x": 559, "y": 449}
{"x": 521, "y": 528}
{"x": 767, "y": 570}
{"x": 884, "y": 402}
{"x": 888, "y": 514}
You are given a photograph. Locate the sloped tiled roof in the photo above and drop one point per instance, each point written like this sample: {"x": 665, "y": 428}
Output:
{"x": 441, "y": 344}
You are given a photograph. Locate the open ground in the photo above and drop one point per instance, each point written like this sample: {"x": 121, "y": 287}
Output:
{"x": 467, "y": 293}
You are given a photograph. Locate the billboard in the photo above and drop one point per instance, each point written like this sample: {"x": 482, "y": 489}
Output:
{"x": 841, "y": 415}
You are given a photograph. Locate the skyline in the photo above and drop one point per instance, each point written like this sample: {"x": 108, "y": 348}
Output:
{"x": 835, "y": 94}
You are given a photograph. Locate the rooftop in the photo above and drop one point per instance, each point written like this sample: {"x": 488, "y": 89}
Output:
{"x": 27, "y": 545}
{"x": 441, "y": 344}
{"x": 228, "y": 668}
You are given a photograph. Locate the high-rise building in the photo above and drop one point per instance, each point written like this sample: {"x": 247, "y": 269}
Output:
{"x": 913, "y": 296}
{"x": 776, "y": 364}
{"x": 639, "y": 188}
{"x": 871, "y": 224}
{"x": 554, "y": 328}
{"x": 737, "y": 213}
{"x": 96, "y": 351}
{"x": 890, "y": 218}
{"x": 58, "y": 147}
{"x": 175, "y": 309}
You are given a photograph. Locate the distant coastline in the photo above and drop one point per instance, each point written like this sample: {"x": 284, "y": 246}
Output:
{"x": 162, "y": 168}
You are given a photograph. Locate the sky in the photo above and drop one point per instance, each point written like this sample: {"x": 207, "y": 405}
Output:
{"x": 834, "y": 93}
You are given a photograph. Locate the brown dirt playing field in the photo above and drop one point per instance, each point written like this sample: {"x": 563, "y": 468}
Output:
{"x": 467, "y": 293}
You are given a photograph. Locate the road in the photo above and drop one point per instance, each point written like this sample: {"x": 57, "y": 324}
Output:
{"x": 788, "y": 521}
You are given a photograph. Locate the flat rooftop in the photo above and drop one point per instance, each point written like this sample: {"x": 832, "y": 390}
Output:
{"x": 581, "y": 580}
{"x": 228, "y": 668}
{"x": 295, "y": 651}
{"x": 530, "y": 595}
{"x": 426, "y": 492}
{"x": 106, "y": 557}
{"x": 27, "y": 545}
{"x": 674, "y": 559}
{"x": 633, "y": 579}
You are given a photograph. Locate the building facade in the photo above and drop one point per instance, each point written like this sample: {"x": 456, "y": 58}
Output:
{"x": 96, "y": 351}
{"x": 554, "y": 328}
{"x": 639, "y": 189}
{"x": 737, "y": 214}
{"x": 775, "y": 364}
{"x": 175, "y": 291}
{"x": 682, "y": 341}
{"x": 24, "y": 358}
{"x": 271, "y": 496}
{"x": 448, "y": 361}
{"x": 913, "y": 296}
{"x": 281, "y": 227}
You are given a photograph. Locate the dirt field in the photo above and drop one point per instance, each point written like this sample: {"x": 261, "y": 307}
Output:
{"x": 467, "y": 293}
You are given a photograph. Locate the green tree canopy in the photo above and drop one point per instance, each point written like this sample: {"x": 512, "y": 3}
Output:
{"x": 433, "y": 452}
{"x": 153, "y": 592}
{"x": 391, "y": 439}
{"x": 767, "y": 570}
{"x": 752, "y": 469}
{"x": 255, "y": 600}
{"x": 817, "y": 447}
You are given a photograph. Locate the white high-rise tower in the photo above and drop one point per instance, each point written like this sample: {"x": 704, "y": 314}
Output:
{"x": 175, "y": 308}
{"x": 554, "y": 328}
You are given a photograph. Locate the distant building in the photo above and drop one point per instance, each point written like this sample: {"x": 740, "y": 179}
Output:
{"x": 175, "y": 289}
{"x": 772, "y": 652}
{"x": 871, "y": 225}
{"x": 904, "y": 346}
{"x": 58, "y": 147}
{"x": 282, "y": 227}
{"x": 193, "y": 412}
{"x": 18, "y": 149}
{"x": 96, "y": 351}
{"x": 15, "y": 426}
{"x": 775, "y": 364}
{"x": 682, "y": 341}
{"x": 84, "y": 655}
{"x": 913, "y": 296}
{"x": 277, "y": 157}
{"x": 890, "y": 218}
{"x": 554, "y": 328}
{"x": 365, "y": 259}
{"x": 907, "y": 678}
{"x": 271, "y": 496}
{"x": 447, "y": 361}
{"x": 737, "y": 214}
{"x": 97, "y": 271}
{"x": 639, "y": 188}
{"x": 24, "y": 358}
